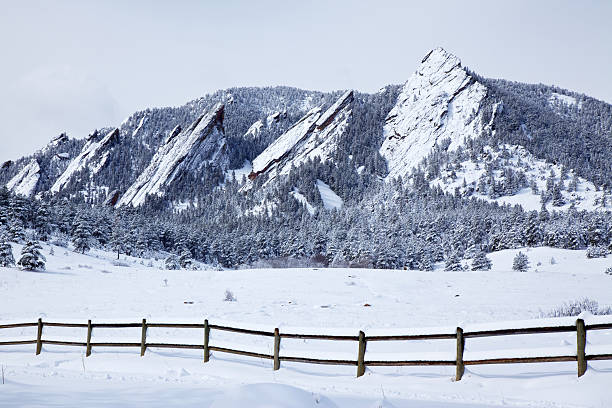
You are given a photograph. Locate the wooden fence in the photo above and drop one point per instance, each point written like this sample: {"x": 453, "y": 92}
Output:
{"x": 361, "y": 363}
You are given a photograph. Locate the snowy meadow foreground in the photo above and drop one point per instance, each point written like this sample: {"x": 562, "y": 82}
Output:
{"x": 75, "y": 288}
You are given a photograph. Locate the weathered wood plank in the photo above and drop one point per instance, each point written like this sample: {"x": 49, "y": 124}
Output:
{"x": 511, "y": 332}
{"x": 406, "y": 337}
{"x": 460, "y": 348}
{"x": 240, "y": 352}
{"x": 385, "y": 363}
{"x": 39, "y": 337}
{"x": 88, "y": 349}
{"x": 143, "y": 338}
{"x": 277, "y": 340}
{"x": 318, "y": 337}
{"x": 242, "y": 331}
{"x": 177, "y": 346}
{"x": 64, "y": 343}
{"x": 206, "y": 341}
{"x": 361, "y": 354}
{"x": 516, "y": 360}
{"x": 319, "y": 361}
{"x": 581, "y": 347}
{"x": 16, "y": 325}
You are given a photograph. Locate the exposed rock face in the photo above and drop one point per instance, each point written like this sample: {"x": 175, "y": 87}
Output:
{"x": 112, "y": 198}
{"x": 59, "y": 139}
{"x": 259, "y": 125}
{"x": 93, "y": 156}
{"x": 6, "y": 164}
{"x": 315, "y": 134}
{"x": 440, "y": 100}
{"x": 202, "y": 143}
{"x": 24, "y": 183}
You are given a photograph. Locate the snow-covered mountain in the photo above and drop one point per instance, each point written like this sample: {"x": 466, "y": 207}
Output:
{"x": 439, "y": 101}
{"x": 201, "y": 144}
{"x": 287, "y": 140}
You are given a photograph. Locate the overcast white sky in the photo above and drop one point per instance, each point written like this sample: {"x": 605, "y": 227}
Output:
{"x": 77, "y": 65}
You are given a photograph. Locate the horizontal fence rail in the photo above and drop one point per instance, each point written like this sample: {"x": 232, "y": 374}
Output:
{"x": 580, "y": 328}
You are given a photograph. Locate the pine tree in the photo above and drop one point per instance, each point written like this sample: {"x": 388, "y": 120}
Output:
{"x": 481, "y": 262}
{"x": 557, "y": 197}
{"x": 594, "y": 251}
{"x": 42, "y": 224}
{"x": 81, "y": 235}
{"x": 31, "y": 258}
{"x": 521, "y": 262}
{"x": 6, "y": 253}
{"x": 533, "y": 233}
{"x": 117, "y": 237}
{"x": 185, "y": 260}
{"x": 172, "y": 263}
{"x": 453, "y": 263}
{"x": 16, "y": 232}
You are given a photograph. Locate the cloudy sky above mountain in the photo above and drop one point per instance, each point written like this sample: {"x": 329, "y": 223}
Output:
{"x": 74, "y": 66}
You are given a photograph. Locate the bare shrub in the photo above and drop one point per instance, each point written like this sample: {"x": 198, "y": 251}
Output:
{"x": 229, "y": 296}
{"x": 575, "y": 307}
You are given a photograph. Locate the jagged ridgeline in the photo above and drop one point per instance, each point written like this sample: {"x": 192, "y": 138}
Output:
{"x": 388, "y": 179}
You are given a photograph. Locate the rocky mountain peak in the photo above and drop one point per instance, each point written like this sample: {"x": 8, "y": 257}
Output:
{"x": 439, "y": 101}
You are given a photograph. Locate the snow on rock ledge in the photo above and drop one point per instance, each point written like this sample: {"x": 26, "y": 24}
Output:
{"x": 93, "y": 156}
{"x": 439, "y": 101}
{"x": 203, "y": 142}
{"x": 24, "y": 183}
{"x": 314, "y": 135}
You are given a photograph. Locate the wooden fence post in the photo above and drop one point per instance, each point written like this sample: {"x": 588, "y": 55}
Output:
{"x": 276, "y": 349}
{"x": 460, "y": 348}
{"x": 88, "y": 350}
{"x": 39, "y": 337}
{"x": 206, "y": 338}
{"x": 143, "y": 339}
{"x": 581, "y": 347}
{"x": 361, "y": 355}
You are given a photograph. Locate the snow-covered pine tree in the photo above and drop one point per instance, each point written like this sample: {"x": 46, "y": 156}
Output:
{"x": 533, "y": 232}
{"x": 42, "y": 222}
{"x": 31, "y": 257}
{"x": 596, "y": 251}
{"x": 81, "y": 235}
{"x": 16, "y": 232}
{"x": 557, "y": 197}
{"x": 185, "y": 260}
{"x": 6, "y": 252}
{"x": 520, "y": 262}
{"x": 172, "y": 263}
{"x": 117, "y": 237}
{"x": 481, "y": 262}
{"x": 453, "y": 263}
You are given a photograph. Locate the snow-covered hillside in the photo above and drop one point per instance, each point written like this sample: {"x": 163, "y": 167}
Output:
{"x": 439, "y": 101}
{"x": 376, "y": 301}
{"x": 469, "y": 178}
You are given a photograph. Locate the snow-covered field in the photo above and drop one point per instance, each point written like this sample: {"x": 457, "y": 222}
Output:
{"x": 78, "y": 287}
